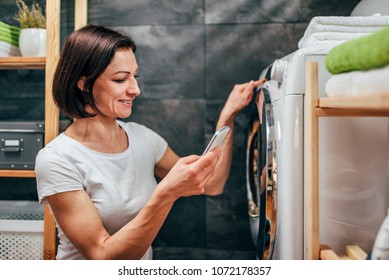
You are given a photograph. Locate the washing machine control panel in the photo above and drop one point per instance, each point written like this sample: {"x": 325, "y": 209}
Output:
{"x": 278, "y": 69}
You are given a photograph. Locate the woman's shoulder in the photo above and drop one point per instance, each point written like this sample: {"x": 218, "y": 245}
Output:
{"x": 56, "y": 147}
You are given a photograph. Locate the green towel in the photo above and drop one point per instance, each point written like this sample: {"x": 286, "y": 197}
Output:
{"x": 9, "y": 27}
{"x": 363, "y": 53}
{"x": 9, "y": 41}
{"x": 9, "y": 34}
{"x": 8, "y": 30}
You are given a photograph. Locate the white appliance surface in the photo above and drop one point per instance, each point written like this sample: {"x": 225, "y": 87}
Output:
{"x": 289, "y": 141}
{"x": 353, "y": 154}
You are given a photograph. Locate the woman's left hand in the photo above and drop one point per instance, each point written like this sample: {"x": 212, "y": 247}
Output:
{"x": 241, "y": 96}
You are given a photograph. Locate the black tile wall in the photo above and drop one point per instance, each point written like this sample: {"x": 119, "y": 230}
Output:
{"x": 268, "y": 11}
{"x": 146, "y": 12}
{"x": 179, "y": 121}
{"x": 21, "y": 94}
{"x": 190, "y": 54}
{"x": 237, "y": 53}
{"x": 17, "y": 188}
{"x": 171, "y": 60}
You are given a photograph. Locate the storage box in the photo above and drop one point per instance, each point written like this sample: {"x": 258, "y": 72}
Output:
{"x": 21, "y": 230}
{"x": 20, "y": 143}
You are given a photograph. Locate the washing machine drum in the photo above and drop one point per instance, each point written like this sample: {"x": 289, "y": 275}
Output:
{"x": 261, "y": 177}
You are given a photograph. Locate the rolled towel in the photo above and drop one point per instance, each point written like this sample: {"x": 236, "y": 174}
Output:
{"x": 9, "y": 32}
{"x": 11, "y": 40}
{"x": 358, "y": 83}
{"x": 7, "y": 49}
{"x": 9, "y": 27}
{"x": 13, "y": 37}
{"x": 359, "y": 24}
{"x": 364, "y": 53}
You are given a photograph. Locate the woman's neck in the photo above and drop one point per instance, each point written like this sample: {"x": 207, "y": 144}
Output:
{"x": 103, "y": 135}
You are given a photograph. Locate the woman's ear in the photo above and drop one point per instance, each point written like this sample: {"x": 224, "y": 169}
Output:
{"x": 80, "y": 83}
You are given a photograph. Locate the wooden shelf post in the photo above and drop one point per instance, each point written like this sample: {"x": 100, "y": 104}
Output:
{"x": 53, "y": 8}
{"x": 80, "y": 13}
{"x": 312, "y": 163}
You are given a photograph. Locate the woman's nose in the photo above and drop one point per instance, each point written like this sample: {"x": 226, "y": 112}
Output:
{"x": 133, "y": 89}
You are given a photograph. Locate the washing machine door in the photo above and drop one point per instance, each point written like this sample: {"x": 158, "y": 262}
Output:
{"x": 261, "y": 177}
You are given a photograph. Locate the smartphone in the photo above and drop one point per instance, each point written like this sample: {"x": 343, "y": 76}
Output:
{"x": 217, "y": 139}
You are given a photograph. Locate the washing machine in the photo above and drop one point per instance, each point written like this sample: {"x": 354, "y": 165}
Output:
{"x": 353, "y": 166}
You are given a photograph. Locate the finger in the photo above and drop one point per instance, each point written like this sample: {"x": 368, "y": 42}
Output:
{"x": 207, "y": 159}
{"x": 208, "y": 172}
{"x": 252, "y": 82}
{"x": 209, "y": 176}
{"x": 190, "y": 159}
{"x": 249, "y": 97}
{"x": 244, "y": 85}
{"x": 214, "y": 161}
{"x": 259, "y": 82}
{"x": 249, "y": 89}
{"x": 260, "y": 98}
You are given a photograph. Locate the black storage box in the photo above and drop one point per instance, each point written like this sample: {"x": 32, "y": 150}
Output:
{"x": 20, "y": 143}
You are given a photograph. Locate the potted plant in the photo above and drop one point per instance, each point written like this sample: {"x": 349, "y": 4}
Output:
{"x": 32, "y": 38}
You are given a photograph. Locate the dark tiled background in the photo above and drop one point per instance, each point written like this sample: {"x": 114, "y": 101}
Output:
{"x": 190, "y": 53}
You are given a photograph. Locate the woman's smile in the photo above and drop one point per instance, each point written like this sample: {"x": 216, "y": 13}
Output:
{"x": 127, "y": 102}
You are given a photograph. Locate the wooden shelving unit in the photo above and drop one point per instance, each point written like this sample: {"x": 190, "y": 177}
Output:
{"x": 51, "y": 117}
{"x": 375, "y": 105}
{"x": 17, "y": 173}
{"x": 19, "y": 62}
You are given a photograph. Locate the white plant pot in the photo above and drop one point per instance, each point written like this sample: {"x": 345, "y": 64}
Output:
{"x": 32, "y": 42}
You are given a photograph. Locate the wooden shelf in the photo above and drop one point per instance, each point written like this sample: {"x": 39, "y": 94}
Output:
{"x": 49, "y": 64}
{"x": 17, "y": 173}
{"x": 374, "y": 105}
{"x": 352, "y": 252}
{"x": 22, "y": 62}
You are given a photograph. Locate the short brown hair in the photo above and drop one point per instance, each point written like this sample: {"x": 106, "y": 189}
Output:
{"x": 87, "y": 53}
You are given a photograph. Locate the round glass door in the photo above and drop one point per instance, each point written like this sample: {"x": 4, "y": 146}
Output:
{"x": 261, "y": 177}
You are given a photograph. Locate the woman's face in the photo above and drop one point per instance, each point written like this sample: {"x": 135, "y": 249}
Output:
{"x": 115, "y": 90}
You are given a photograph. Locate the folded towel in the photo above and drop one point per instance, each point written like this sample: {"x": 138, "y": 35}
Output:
{"x": 359, "y": 24}
{"x": 358, "y": 83}
{"x": 7, "y": 49}
{"x": 360, "y": 54}
{"x": 328, "y": 37}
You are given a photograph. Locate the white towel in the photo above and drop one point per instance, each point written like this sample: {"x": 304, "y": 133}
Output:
{"x": 381, "y": 244}
{"x": 353, "y": 26}
{"x": 328, "y": 38}
{"x": 7, "y": 49}
{"x": 358, "y": 83}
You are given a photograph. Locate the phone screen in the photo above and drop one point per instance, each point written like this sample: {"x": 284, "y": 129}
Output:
{"x": 217, "y": 139}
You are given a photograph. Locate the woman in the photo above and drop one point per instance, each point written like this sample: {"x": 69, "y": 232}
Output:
{"x": 98, "y": 176}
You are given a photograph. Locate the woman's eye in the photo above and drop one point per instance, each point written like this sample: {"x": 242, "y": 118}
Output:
{"x": 136, "y": 76}
{"x": 119, "y": 80}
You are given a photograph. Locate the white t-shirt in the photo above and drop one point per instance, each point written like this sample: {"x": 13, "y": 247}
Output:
{"x": 119, "y": 184}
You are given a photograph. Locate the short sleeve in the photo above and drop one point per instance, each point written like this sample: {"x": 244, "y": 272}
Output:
{"x": 158, "y": 143}
{"x": 54, "y": 174}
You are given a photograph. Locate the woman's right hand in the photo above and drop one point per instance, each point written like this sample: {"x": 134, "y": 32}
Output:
{"x": 189, "y": 175}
